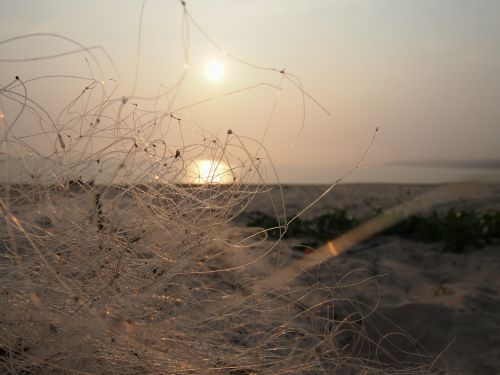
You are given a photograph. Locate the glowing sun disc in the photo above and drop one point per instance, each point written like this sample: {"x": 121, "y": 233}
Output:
{"x": 214, "y": 70}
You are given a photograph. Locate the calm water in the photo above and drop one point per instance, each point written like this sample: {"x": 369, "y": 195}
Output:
{"x": 386, "y": 174}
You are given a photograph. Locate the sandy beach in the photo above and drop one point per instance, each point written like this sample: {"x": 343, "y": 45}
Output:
{"x": 164, "y": 197}
{"x": 169, "y": 294}
{"x": 448, "y": 302}
{"x": 362, "y": 200}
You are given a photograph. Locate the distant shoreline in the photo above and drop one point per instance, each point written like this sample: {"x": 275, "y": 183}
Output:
{"x": 457, "y": 164}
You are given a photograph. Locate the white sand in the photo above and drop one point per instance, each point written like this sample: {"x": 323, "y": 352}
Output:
{"x": 402, "y": 295}
{"x": 449, "y": 303}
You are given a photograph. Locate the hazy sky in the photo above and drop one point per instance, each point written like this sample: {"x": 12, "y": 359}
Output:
{"x": 427, "y": 72}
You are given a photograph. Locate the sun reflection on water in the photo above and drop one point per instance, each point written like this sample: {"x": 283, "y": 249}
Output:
{"x": 206, "y": 171}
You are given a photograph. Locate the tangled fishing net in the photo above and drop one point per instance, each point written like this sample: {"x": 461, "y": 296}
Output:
{"x": 117, "y": 251}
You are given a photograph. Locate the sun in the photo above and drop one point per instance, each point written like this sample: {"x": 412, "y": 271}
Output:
{"x": 214, "y": 70}
{"x": 206, "y": 171}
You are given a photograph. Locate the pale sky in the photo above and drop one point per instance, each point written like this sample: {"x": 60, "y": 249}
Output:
{"x": 426, "y": 72}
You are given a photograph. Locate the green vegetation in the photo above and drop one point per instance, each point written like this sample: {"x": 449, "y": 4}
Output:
{"x": 321, "y": 228}
{"x": 456, "y": 230}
